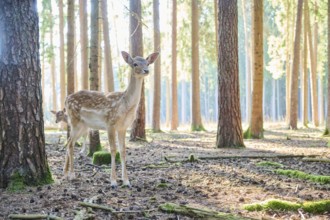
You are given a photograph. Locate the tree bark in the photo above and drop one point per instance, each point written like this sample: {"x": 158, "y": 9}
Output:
{"x": 108, "y": 72}
{"x": 94, "y": 135}
{"x": 22, "y": 141}
{"x": 287, "y": 63}
{"x": 328, "y": 113}
{"x": 83, "y": 43}
{"x": 157, "y": 70}
{"x": 229, "y": 132}
{"x": 295, "y": 70}
{"x": 136, "y": 49}
{"x": 313, "y": 70}
{"x": 62, "y": 57}
{"x": 52, "y": 60}
{"x": 175, "y": 117}
{"x": 195, "y": 104}
{"x": 305, "y": 73}
{"x": 256, "y": 123}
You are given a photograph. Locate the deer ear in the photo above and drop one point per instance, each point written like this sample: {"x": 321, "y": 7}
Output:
{"x": 128, "y": 59}
{"x": 54, "y": 112}
{"x": 152, "y": 57}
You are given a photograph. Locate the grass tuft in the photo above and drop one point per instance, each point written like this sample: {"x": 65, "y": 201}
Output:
{"x": 104, "y": 157}
{"x": 304, "y": 176}
{"x": 269, "y": 164}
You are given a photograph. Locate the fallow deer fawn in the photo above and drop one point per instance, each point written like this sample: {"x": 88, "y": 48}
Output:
{"x": 113, "y": 112}
{"x": 61, "y": 116}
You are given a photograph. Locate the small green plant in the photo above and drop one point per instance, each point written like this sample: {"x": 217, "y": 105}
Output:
{"x": 269, "y": 164}
{"x": 192, "y": 158}
{"x": 162, "y": 185}
{"x": 104, "y": 157}
{"x": 315, "y": 207}
{"x": 304, "y": 176}
{"x": 326, "y": 132}
{"x": 247, "y": 133}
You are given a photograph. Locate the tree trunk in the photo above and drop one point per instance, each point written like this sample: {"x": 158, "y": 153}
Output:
{"x": 247, "y": 64}
{"x": 313, "y": 70}
{"x": 168, "y": 101}
{"x": 108, "y": 72}
{"x": 62, "y": 57}
{"x": 229, "y": 132}
{"x": 94, "y": 135}
{"x": 136, "y": 49}
{"x": 295, "y": 70}
{"x": 196, "y": 109}
{"x": 327, "y": 126}
{"x": 287, "y": 62}
{"x": 83, "y": 43}
{"x": 52, "y": 61}
{"x": 175, "y": 117}
{"x": 157, "y": 73}
{"x": 256, "y": 123}
{"x": 305, "y": 73}
{"x": 22, "y": 141}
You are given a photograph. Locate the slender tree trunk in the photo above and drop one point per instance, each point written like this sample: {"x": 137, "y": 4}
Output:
{"x": 62, "y": 57}
{"x": 22, "y": 140}
{"x": 100, "y": 52}
{"x": 52, "y": 65}
{"x": 305, "y": 73}
{"x": 196, "y": 111}
{"x": 327, "y": 126}
{"x": 83, "y": 43}
{"x": 313, "y": 70}
{"x": 94, "y": 135}
{"x": 168, "y": 101}
{"x": 108, "y": 72}
{"x": 295, "y": 70}
{"x": 136, "y": 49}
{"x": 256, "y": 123}
{"x": 247, "y": 64}
{"x": 287, "y": 61}
{"x": 183, "y": 101}
{"x": 157, "y": 71}
{"x": 229, "y": 123}
{"x": 70, "y": 48}
{"x": 273, "y": 110}
{"x": 175, "y": 118}
{"x": 43, "y": 72}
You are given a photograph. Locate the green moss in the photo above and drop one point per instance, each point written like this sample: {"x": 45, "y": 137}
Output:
{"x": 248, "y": 134}
{"x": 192, "y": 158}
{"x": 198, "y": 128}
{"x": 315, "y": 207}
{"x": 318, "y": 207}
{"x": 16, "y": 183}
{"x": 275, "y": 204}
{"x": 326, "y": 132}
{"x": 104, "y": 157}
{"x": 305, "y": 176}
{"x": 269, "y": 164}
{"x": 162, "y": 185}
{"x": 98, "y": 148}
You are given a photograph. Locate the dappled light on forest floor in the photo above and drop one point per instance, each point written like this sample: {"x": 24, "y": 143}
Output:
{"x": 225, "y": 182}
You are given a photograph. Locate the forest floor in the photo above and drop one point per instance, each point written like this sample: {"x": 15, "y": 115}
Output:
{"x": 223, "y": 185}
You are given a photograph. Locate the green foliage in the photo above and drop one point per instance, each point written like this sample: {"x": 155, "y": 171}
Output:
{"x": 16, "y": 183}
{"x": 318, "y": 207}
{"x": 269, "y": 164}
{"x": 304, "y": 176}
{"x": 197, "y": 128}
{"x": 247, "y": 134}
{"x": 104, "y": 157}
{"x": 192, "y": 158}
{"x": 326, "y": 132}
{"x": 315, "y": 207}
{"x": 98, "y": 148}
{"x": 162, "y": 185}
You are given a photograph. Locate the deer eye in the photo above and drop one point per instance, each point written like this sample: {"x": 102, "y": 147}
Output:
{"x": 135, "y": 64}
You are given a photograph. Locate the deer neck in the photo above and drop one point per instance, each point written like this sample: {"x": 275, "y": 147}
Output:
{"x": 133, "y": 92}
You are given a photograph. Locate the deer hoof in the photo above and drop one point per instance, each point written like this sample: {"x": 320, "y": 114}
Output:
{"x": 127, "y": 184}
{"x": 114, "y": 184}
{"x": 72, "y": 176}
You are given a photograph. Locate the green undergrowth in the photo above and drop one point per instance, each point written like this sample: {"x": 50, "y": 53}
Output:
{"x": 98, "y": 148}
{"x": 269, "y": 164}
{"x": 315, "y": 207}
{"x": 304, "y": 176}
{"x": 326, "y": 132}
{"x": 248, "y": 134}
{"x": 19, "y": 181}
{"x": 104, "y": 157}
{"x": 198, "y": 128}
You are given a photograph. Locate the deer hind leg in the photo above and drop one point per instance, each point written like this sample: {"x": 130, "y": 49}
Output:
{"x": 122, "y": 150}
{"x": 113, "y": 149}
{"x": 84, "y": 148}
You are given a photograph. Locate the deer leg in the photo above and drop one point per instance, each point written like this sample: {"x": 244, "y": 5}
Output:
{"x": 67, "y": 159}
{"x": 112, "y": 143}
{"x": 84, "y": 149}
{"x": 122, "y": 150}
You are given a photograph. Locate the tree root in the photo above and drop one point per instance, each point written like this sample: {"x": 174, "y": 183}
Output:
{"x": 197, "y": 213}
{"x": 34, "y": 216}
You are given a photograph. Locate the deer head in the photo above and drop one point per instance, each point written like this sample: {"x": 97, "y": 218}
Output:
{"x": 60, "y": 116}
{"x": 139, "y": 64}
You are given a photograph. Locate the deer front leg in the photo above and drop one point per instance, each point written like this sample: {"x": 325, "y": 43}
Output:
{"x": 112, "y": 143}
{"x": 122, "y": 150}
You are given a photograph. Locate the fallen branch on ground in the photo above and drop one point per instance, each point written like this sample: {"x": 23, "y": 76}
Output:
{"x": 322, "y": 160}
{"x": 34, "y": 216}
{"x": 95, "y": 206}
{"x": 197, "y": 213}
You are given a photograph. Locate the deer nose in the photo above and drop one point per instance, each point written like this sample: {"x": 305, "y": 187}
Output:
{"x": 146, "y": 71}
